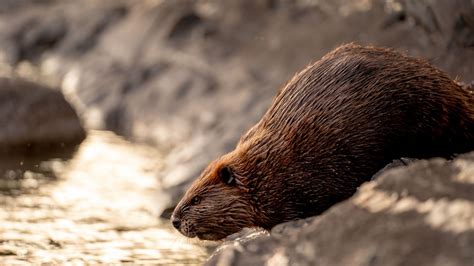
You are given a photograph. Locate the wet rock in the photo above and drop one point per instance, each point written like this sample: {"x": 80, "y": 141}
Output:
{"x": 421, "y": 214}
{"x": 450, "y": 27}
{"x": 33, "y": 30}
{"x": 190, "y": 77}
{"x": 36, "y": 120}
{"x": 8, "y": 6}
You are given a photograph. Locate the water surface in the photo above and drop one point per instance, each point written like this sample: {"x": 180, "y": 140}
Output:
{"x": 98, "y": 207}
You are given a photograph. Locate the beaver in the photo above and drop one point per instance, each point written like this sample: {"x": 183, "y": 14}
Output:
{"x": 328, "y": 130}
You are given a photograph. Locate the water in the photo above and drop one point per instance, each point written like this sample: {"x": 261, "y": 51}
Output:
{"x": 97, "y": 207}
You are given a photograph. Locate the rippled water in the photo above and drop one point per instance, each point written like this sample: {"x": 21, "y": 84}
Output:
{"x": 97, "y": 207}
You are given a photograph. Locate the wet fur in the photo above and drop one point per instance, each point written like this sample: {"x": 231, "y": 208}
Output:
{"x": 328, "y": 130}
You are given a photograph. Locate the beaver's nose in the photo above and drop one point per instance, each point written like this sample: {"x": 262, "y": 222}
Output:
{"x": 176, "y": 222}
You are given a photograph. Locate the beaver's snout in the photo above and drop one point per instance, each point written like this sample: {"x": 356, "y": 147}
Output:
{"x": 176, "y": 222}
{"x": 182, "y": 225}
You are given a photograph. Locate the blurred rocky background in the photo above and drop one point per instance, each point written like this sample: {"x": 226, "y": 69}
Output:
{"x": 189, "y": 77}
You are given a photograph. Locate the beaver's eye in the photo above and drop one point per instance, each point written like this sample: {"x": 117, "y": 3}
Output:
{"x": 226, "y": 176}
{"x": 195, "y": 200}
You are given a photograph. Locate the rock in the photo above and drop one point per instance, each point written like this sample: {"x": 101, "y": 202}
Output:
{"x": 422, "y": 214}
{"x": 190, "y": 77}
{"x": 36, "y": 120}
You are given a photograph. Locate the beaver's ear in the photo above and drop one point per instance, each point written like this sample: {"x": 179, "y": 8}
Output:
{"x": 229, "y": 177}
{"x": 226, "y": 176}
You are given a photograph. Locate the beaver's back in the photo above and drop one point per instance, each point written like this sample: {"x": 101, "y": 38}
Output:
{"x": 358, "y": 108}
{"x": 356, "y": 95}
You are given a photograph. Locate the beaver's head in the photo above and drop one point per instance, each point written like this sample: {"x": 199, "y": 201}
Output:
{"x": 237, "y": 190}
{"x": 216, "y": 205}
{"x": 262, "y": 183}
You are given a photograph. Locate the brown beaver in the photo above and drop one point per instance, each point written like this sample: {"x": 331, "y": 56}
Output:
{"x": 328, "y": 130}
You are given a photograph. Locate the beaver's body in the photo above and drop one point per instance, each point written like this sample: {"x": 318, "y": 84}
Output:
{"x": 332, "y": 127}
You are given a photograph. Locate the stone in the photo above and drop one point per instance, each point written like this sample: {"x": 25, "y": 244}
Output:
{"x": 36, "y": 120}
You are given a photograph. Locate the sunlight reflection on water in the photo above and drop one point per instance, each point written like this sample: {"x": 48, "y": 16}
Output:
{"x": 99, "y": 210}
